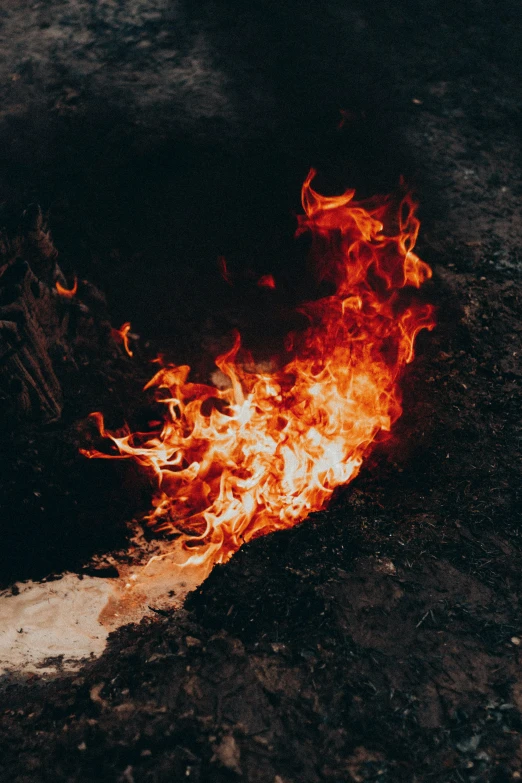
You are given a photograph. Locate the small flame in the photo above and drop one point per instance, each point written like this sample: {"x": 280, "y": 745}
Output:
{"x": 260, "y": 455}
{"x": 122, "y": 335}
{"x": 223, "y": 270}
{"x": 267, "y": 281}
{"x": 69, "y": 293}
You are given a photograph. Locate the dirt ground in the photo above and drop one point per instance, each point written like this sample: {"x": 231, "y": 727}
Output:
{"x": 377, "y": 640}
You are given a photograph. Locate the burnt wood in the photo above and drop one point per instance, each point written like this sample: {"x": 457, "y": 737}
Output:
{"x": 40, "y": 328}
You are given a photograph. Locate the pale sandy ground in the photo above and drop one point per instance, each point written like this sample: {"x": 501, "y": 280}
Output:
{"x": 53, "y": 626}
{"x": 52, "y": 619}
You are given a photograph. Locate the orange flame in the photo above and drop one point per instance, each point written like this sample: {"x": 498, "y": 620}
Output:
{"x": 69, "y": 293}
{"x": 260, "y": 455}
{"x": 122, "y": 335}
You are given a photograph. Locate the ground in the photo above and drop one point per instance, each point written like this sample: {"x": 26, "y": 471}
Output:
{"x": 380, "y": 639}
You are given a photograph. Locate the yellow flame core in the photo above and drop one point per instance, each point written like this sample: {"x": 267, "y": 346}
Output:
{"x": 262, "y": 454}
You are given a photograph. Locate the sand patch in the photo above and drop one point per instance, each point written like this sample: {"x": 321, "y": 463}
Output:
{"x": 52, "y": 619}
{"x": 49, "y": 627}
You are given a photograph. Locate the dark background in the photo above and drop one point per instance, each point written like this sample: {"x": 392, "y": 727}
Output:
{"x": 160, "y": 135}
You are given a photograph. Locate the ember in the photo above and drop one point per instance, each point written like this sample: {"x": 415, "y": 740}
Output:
{"x": 121, "y": 335}
{"x": 267, "y": 281}
{"x": 69, "y": 293}
{"x": 260, "y": 455}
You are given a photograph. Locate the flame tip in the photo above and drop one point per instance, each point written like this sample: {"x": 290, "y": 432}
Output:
{"x": 67, "y": 293}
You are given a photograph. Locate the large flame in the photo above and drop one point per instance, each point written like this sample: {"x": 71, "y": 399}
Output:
{"x": 260, "y": 455}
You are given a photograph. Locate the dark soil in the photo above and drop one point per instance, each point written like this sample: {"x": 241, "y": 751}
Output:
{"x": 377, "y": 640}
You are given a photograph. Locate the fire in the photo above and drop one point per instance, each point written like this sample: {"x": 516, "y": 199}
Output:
{"x": 224, "y": 271}
{"x": 122, "y": 335}
{"x": 262, "y": 454}
{"x": 266, "y": 281}
{"x": 69, "y": 293}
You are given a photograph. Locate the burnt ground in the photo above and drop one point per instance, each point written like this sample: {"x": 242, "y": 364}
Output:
{"x": 380, "y": 639}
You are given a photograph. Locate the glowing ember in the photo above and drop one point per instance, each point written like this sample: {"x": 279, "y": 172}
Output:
{"x": 260, "y": 455}
{"x": 223, "y": 268}
{"x": 121, "y": 335}
{"x": 67, "y": 292}
{"x": 267, "y": 281}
